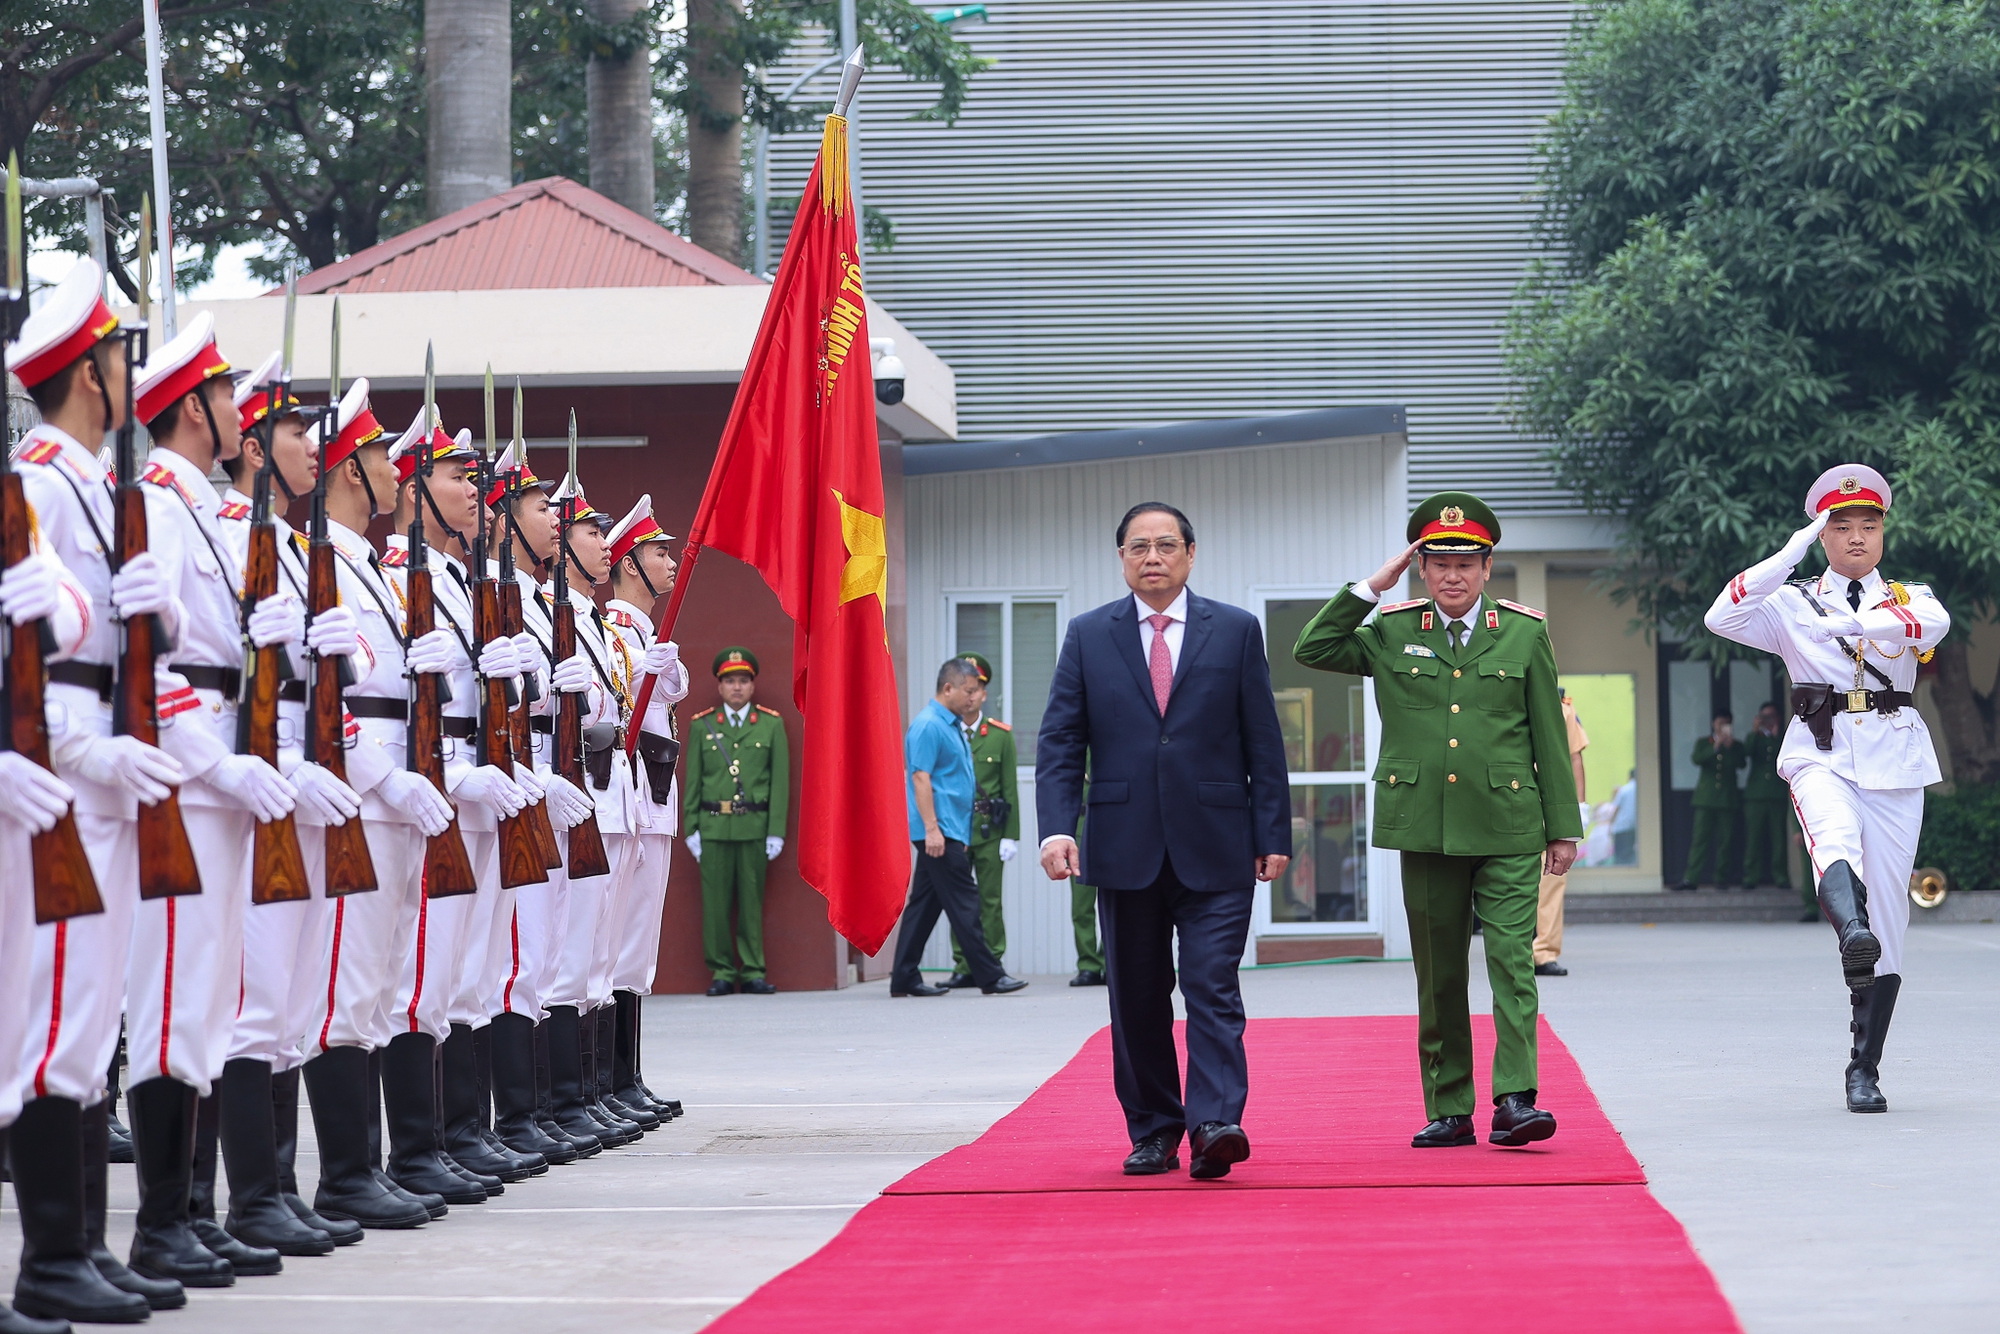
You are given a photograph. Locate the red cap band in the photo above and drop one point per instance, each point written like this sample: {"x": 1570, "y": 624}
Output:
{"x": 49, "y": 361}
{"x": 1836, "y": 499}
{"x": 203, "y": 366}
{"x": 362, "y": 430}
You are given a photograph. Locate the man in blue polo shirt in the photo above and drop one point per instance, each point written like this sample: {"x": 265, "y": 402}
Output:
{"x": 940, "y": 789}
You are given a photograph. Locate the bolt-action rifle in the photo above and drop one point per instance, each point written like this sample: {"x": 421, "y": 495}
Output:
{"x": 586, "y": 844}
{"x": 513, "y": 621}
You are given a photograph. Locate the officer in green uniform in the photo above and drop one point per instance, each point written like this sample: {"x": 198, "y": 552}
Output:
{"x": 1083, "y": 922}
{"x": 1717, "y": 803}
{"x": 1767, "y": 806}
{"x": 1473, "y": 786}
{"x": 996, "y": 817}
{"x": 738, "y": 781}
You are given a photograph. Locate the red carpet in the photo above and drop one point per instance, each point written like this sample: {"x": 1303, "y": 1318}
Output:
{"x": 1334, "y": 1223}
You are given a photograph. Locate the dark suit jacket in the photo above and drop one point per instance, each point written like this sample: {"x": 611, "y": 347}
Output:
{"x": 1206, "y": 783}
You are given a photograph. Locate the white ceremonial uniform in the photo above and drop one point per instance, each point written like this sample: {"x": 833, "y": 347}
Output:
{"x": 528, "y": 935}
{"x": 583, "y": 975}
{"x": 1861, "y": 802}
{"x": 640, "y": 894}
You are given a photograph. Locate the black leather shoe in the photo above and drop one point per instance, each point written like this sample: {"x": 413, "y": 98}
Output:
{"x": 1447, "y": 1132}
{"x": 120, "y": 1142}
{"x": 1002, "y": 985}
{"x": 721, "y": 988}
{"x": 1087, "y": 977}
{"x": 756, "y": 986}
{"x": 13, "y": 1322}
{"x": 921, "y": 989}
{"x": 1517, "y": 1121}
{"x": 1214, "y": 1148}
{"x": 1551, "y": 969}
{"x": 247, "y": 1261}
{"x": 959, "y": 982}
{"x": 1154, "y": 1155}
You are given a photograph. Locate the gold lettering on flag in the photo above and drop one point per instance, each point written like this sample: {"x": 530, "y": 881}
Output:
{"x": 840, "y": 327}
{"x": 867, "y": 568}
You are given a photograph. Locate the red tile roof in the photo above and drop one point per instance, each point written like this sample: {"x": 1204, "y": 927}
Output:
{"x": 547, "y": 233}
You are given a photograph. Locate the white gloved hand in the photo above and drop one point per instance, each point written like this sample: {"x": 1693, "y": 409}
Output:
{"x": 261, "y": 789}
{"x": 147, "y": 772}
{"x": 139, "y": 588}
{"x": 1799, "y": 543}
{"x": 36, "y": 798}
{"x": 530, "y": 782}
{"x": 694, "y": 845}
{"x": 572, "y": 676}
{"x": 334, "y": 633}
{"x": 773, "y": 845}
{"x": 529, "y": 652}
{"x": 1008, "y": 847}
{"x": 414, "y": 795}
{"x": 569, "y": 806}
{"x": 329, "y": 800}
{"x": 660, "y": 656}
{"x": 1837, "y": 621}
{"x": 28, "y": 592}
{"x": 491, "y": 789}
{"x": 498, "y": 658}
{"x": 438, "y": 651}
{"x": 279, "y": 619}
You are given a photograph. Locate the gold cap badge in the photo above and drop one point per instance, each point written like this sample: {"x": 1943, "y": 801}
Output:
{"x": 1849, "y": 485}
{"x": 1451, "y": 514}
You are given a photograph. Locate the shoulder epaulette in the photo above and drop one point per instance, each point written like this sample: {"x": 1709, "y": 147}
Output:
{"x": 42, "y": 451}
{"x": 235, "y": 509}
{"x": 159, "y": 474}
{"x": 624, "y": 620}
{"x": 1402, "y": 606}
{"x": 705, "y": 712}
{"x": 773, "y": 712}
{"x": 1005, "y": 727}
{"x": 1523, "y": 608}
{"x": 397, "y": 558}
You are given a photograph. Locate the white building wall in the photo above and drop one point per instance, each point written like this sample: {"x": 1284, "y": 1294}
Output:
{"x": 1303, "y": 516}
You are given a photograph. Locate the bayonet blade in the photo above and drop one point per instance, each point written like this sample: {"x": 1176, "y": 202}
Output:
{"x": 489, "y": 410}
{"x": 15, "y": 280}
{"x": 291, "y": 321}
{"x": 430, "y": 389}
{"x": 520, "y": 445}
{"x": 145, "y": 258}
{"x": 333, "y": 371}
{"x": 572, "y": 482}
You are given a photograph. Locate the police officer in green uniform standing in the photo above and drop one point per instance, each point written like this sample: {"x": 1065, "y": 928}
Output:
{"x": 1717, "y": 803}
{"x": 996, "y": 816}
{"x": 1767, "y": 806}
{"x": 1473, "y": 786}
{"x": 738, "y": 781}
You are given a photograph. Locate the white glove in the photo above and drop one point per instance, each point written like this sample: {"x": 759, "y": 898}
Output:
{"x": 261, "y": 789}
{"x": 36, "y": 798}
{"x": 438, "y": 651}
{"x": 279, "y": 619}
{"x": 498, "y": 658}
{"x": 569, "y": 806}
{"x": 28, "y": 592}
{"x": 413, "y": 794}
{"x": 1837, "y": 621}
{"x": 773, "y": 845}
{"x": 1799, "y": 543}
{"x": 491, "y": 789}
{"x": 140, "y": 589}
{"x": 660, "y": 656}
{"x": 147, "y": 772}
{"x": 572, "y": 676}
{"x": 329, "y": 800}
{"x": 694, "y": 846}
{"x": 334, "y": 633}
{"x": 530, "y": 782}
{"x": 529, "y": 652}
{"x": 1008, "y": 847}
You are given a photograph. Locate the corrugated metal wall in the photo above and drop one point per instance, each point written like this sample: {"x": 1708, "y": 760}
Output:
{"x": 1186, "y": 210}
{"x": 1313, "y": 516}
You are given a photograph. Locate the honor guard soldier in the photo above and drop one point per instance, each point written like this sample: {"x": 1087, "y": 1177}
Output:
{"x": 739, "y": 780}
{"x": 996, "y": 820}
{"x": 642, "y": 573}
{"x": 1717, "y": 803}
{"x": 1857, "y": 755}
{"x": 1473, "y": 786}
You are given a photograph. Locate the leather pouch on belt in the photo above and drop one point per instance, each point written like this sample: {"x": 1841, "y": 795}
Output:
{"x": 659, "y": 753}
{"x": 597, "y": 743}
{"x": 1815, "y": 705}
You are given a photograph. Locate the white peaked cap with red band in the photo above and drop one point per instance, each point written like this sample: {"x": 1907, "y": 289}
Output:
{"x": 68, "y": 323}
{"x": 1847, "y": 484}
{"x": 353, "y": 425}
{"x": 636, "y": 527}
{"x": 252, "y": 399}
{"x": 512, "y": 473}
{"x": 572, "y": 506}
{"x": 406, "y": 454}
{"x": 179, "y": 366}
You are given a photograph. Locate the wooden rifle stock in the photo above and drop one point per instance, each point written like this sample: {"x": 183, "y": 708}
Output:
{"x": 349, "y": 867}
{"x": 586, "y": 845}
{"x": 520, "y": 858}
{"x": 513, "y": 621}
{"x": 64, "y": 885}
{"x": 447, "y": 865}
{"x": 277, "y": 864}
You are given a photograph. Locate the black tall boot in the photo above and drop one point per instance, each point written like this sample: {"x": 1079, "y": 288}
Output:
{"x": 1873, "y": 1009}
{"x": 511, "y": 1043}
{"x": 409, "y": 1096}
{"x": 534, "y": 1164}
{"x": 1844, "y": 901}
{"x": 583, "y": 1140}
{"x": 668, "y": 1108}
{"x": 434, "y": 1205}
{"x": 160, "y": 1294}
{"x": 605, "y": 1026}
{"x": 624, "y": 1064}
{"x": 567, "y": 1056}
{"x": 611, "y": 1129}
{"x": 285, "y": 1121}
{"x": 337, "y": 1083}
{"x": 257, "y": 1213}
{"x": 459, "y": 1111}
{"x": 57, "y": 1280}
{"x": 120, "y": 1144}
{"x": 248, "y": 1261}
{"x": 163, "y": 1115}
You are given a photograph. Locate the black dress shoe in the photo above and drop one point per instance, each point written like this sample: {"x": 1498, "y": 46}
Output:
{"x": 1002, "y": 985}
{"x": 959, "y": 982}
{"x": 1087, "y": 977}
{"x": 1517, "y": 1121}
{"x": 13, "y": 1322}
{"x": 921, "y": 989}
{"x": 1447, "y": 1132}
{"x": 756, "y": 986}
{"x": 1154, "y": 1155}
{"x": 1551, "y": 969}
{"x": 247, "y": 1261}
{"x": 1214, "y": 1148}
{"x": 719, "y": 987}
{"x": 121, "y": 1142}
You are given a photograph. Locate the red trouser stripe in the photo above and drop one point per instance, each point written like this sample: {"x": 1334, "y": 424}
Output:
{"x": 514, "y": 934}
{"x": 423, "y": 918}
{"x": 167, "y": 994}
{"x": 55, "y": 1009}
{"x": 333, "y": 971}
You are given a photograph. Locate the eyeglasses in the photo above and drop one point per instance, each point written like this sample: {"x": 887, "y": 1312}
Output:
{"x": 1168, "y": 547}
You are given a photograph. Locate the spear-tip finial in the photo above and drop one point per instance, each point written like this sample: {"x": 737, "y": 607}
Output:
{"x": 850, "y": 79}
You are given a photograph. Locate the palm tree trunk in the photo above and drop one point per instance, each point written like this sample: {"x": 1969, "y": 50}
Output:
{"x": 468, "y": 76}
{"x": 1968, "y": 715}
{"x": 715, "y": 129}
{"x": 620, "y": 93}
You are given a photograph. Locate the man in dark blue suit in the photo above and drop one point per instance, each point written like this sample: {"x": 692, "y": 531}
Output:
{"x": 1169, "y": 696}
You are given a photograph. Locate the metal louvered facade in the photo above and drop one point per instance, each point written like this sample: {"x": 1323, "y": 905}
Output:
{"x": 1178, "y": 211}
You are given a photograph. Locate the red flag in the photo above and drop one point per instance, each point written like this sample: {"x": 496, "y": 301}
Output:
{"x": 796, "y": 491}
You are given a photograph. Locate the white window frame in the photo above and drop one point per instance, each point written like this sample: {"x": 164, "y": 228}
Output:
{"x": 1007, "y": 597}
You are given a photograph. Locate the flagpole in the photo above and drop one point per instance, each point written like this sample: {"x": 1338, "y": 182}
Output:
{"x": 156, "y": 98}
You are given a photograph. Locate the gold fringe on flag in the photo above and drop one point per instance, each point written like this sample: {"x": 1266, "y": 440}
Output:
{"x": 834, "y": 193}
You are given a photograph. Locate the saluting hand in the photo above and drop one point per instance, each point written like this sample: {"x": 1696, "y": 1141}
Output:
{"x": 1391, "y": 574}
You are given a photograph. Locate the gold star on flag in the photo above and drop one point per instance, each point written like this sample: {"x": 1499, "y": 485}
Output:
{"x": 867, "y": 541}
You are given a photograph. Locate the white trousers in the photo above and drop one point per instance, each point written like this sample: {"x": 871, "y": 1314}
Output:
{"x": 435, "y": 962}
{"x": 184, "y": 973}
{"x": 488, "y": 958}
{"x": 640, "y": 902}
{"x": 587, "y": 900}
{"x": 78, "y": 985}
{"x": 17, "y": 961}
{"x": 1875, "y": 832}
{"x": 370, "y": 937}
{"x": 284, "y": 966}
{"x": 540, "y": 914}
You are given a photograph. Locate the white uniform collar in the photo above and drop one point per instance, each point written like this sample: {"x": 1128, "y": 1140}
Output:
{"x": 192, "y": 479}
{"x": 348, "y": 542}
{"x": 620, "y": 604}
{"x": 1873, "y": 586}
{"x": 80, "y": 460}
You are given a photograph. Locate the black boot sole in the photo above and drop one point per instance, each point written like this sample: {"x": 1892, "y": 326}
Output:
{"x": 34, "y": 1308}
{"x": 1858, "y": 958}
{"x": 1533, "y": 1132}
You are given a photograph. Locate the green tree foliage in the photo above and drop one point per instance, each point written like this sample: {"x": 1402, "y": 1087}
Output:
{"x": 1773, "y": 235}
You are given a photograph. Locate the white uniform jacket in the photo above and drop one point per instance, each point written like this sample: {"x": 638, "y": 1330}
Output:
{"x": 454, "y": 613}
{"x": 611, "y": 674}
{"x": 635, "y": 628}
{"x": 381, "y": 745}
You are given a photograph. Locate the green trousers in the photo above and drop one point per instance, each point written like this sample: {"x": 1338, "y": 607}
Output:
{"x": 986, "y": 871}
{"x": 1083, "y": 919}
{"x": 732, "y": 876}
{"x": 1440, "y": 893}
{"x": 1714, "y": 827}
{"x": 1767, "y": 828}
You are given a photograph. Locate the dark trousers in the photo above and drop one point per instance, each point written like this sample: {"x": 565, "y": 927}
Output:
{"x": 1767, "y": 829}
{"x": 1139, "y": 930}
{"x": 942, "y": 884}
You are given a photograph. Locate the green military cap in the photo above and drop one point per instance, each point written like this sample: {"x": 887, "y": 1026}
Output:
{"x": 1454, "y": 523}
{"x": 735, "y": 659}
{"x": 985, "y": 667}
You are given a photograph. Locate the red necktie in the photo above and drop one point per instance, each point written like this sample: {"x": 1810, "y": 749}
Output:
{"x": 1162, "y": 662}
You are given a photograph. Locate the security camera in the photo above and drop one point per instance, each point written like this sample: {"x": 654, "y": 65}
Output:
{"x": 889, "y": 373}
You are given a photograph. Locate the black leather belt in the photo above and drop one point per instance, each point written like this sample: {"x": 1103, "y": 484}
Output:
{"x": 89, "y": 675}
{"x": 379, "y": 706}
{"x": 735, "y": 807}
{"x": 228, "y": 680}
{"x": 462, "y": 728}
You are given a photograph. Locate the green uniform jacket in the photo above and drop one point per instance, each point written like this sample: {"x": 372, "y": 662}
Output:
{"x": 763, "y": 763}
{"x": 1763, "y": 784}
{"x": 995, "y": 762}
{"x": 1716, "y": 788}
{"x": 1475, "y": 753}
